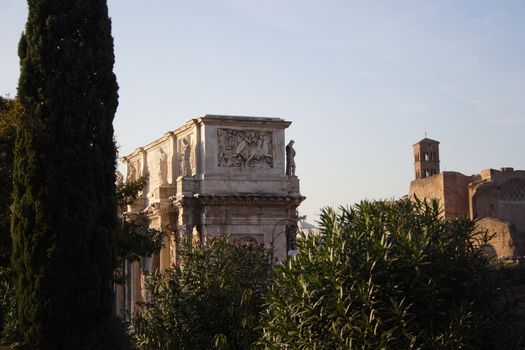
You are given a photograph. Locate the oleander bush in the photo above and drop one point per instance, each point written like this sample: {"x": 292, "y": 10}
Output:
{"x": 389, "y": 275}
{"x": 212, "y": 300}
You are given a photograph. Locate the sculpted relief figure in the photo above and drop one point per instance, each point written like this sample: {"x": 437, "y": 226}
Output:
{"x": 261, "y": 150}
{"x": 245, "y": 148}
{"x": 163, "y": 167}
{"x": 290, "y": 159}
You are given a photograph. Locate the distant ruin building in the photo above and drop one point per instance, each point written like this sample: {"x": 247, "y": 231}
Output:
{"x": 215, "y": 175}
{"x": 495, "y": 197}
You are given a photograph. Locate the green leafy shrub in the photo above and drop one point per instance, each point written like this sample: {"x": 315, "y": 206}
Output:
{"x": 388, "y": 275}
{"x": 213, "y": 299}
{"x": 135, "y": 239}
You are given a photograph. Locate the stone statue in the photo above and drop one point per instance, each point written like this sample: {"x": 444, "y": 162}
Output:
{"x": 185, "y": 157}
{"x": 290, "y": 159}
{"x": 132, "y": 173}
{"x": 163, "y": 167}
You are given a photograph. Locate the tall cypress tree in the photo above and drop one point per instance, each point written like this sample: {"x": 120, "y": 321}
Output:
{"x": 64, "y": 175}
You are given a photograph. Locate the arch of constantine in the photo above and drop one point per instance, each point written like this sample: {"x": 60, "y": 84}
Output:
{"x": 215, "y": 175}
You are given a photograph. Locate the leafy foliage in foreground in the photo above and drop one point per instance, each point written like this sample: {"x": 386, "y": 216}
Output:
{"x": 213, "y": 299}
{"x": 134, "y": 238}
{"x": 387, "y": 275}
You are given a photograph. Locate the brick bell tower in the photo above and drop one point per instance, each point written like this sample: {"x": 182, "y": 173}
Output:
{"x": 426, "y": 158}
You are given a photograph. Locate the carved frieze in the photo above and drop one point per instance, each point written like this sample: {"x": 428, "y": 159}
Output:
{"x": 251, "y": 200}
{"x": 245, "y": 148}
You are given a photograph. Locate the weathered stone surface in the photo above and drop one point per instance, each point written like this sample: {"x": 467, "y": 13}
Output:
{"x": 449, "y": 187}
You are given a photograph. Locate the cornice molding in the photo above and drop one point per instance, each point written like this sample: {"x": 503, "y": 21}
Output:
{"x": 250, "y": 200}
{"x": 156, "y": 209}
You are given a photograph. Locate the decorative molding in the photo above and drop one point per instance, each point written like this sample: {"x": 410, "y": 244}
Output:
{"x": 248, "y": 121}
{"x": 183, "y": 202}
{"x": 251, "y": 200}
{"x": 156, "y": 209}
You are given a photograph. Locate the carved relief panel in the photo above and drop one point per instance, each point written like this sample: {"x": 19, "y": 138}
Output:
{"x": 245, "y": 148}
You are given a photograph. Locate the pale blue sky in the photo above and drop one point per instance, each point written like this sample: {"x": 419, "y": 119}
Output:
{"x": 361, "y": 80}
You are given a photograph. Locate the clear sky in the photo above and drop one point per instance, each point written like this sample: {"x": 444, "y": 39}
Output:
{"x": 361, "y": 81}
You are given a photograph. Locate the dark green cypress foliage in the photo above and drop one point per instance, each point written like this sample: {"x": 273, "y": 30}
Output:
{"x": 7, "y": 136}
{"x": 64, "y": 175}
